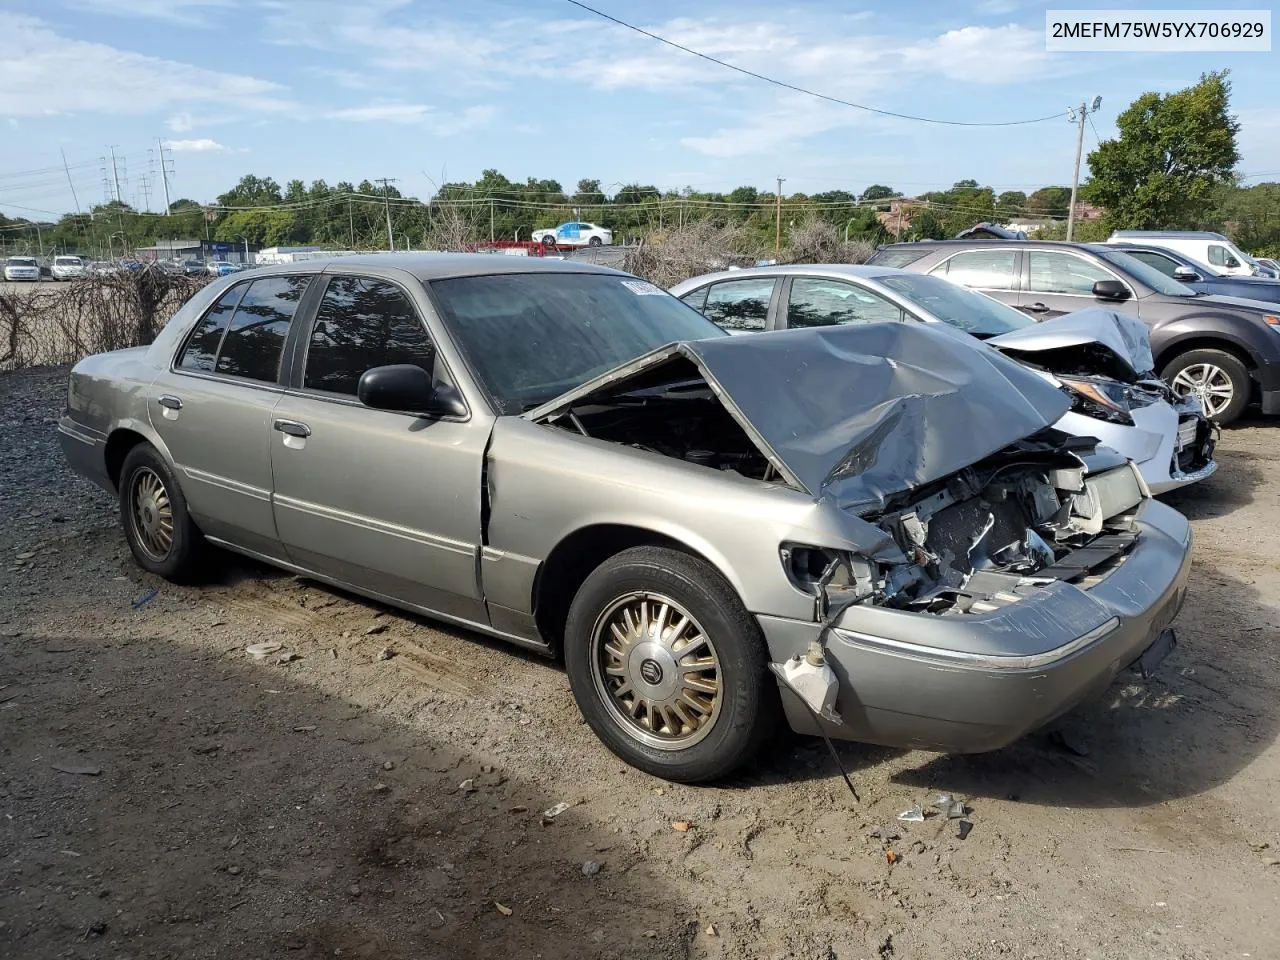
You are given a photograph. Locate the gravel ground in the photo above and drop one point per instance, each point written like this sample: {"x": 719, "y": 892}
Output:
{"x": 164, "y": 795}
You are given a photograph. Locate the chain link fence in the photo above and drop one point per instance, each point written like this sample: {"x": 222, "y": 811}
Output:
{"x": 53, "y": 323}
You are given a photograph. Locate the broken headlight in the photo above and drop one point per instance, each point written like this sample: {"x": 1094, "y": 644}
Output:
{"x": 1100, "y": 399}
{"x": 827, "y": 573}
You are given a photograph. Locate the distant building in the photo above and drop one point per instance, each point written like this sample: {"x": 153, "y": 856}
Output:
{"x": 197, "y": 250}
{"x": 296, "y": 254}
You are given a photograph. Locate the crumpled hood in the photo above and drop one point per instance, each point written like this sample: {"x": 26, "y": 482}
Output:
{"x": 858, "y": 412}
{"x": 1123, "y": 337}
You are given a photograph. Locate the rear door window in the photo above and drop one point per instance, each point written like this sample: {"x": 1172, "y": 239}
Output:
{"x": 201, "y": 351}
{"x": 817, "y": 302}
{"x": 982, "y": 269}
{"x": 255, "y": 335}
{"x": 740, "y": 304}
{"x": 361, "y": 324}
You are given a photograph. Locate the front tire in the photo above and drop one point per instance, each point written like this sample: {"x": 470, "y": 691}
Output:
{"x": 668, "y": 667}
{"x": 1218, "y": 378}
{"x": 153, "y": 512}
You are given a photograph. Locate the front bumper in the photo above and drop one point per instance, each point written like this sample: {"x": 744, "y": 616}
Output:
{"x": 971, "y": 683}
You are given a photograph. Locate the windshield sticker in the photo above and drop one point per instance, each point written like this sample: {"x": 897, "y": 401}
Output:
{"x": 643, "y": 288}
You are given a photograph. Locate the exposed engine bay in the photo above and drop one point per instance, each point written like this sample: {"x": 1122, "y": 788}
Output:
{"x": 997, "y": 531}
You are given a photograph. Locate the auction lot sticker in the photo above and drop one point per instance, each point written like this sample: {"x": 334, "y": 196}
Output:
{"x": 1170, "y": 31}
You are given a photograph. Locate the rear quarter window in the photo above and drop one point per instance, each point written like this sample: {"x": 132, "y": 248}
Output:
{"x": 889, "y": 257}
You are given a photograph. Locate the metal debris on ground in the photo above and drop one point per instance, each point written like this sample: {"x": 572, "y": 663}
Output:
{"x": 386, "y": 653}
{"x": 914, "y": 815}
{"x": 81, "y": 771}
{"x": 468, "y": 785}
{"x": 552, "y": 812}
{"x": 590, "y": 868}
{"x": 146, "y": 598}
{"x": 953, "y": 810}
{"x": 260, "y": 651}
{"x": 962, "y": 829}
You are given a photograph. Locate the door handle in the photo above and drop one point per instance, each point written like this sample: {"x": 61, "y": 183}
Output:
{"x": 170, "y": 402}
{"x": 1036, "y": 307}
{"x": 292, "y": 428}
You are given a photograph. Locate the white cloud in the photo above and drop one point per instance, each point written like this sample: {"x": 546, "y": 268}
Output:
{"x": 438, "y": 121}
{"x": 42, "y": 72}
{"x": 191, "y": 13}
{"x": 988, "y": 55}
{"x": 203, "y": 145}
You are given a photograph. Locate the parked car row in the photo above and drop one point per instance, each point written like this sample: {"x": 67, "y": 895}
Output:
{"x": 886, "y": 516}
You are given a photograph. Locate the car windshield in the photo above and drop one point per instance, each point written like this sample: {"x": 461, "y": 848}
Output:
{"x": 22, "y": 261}
{"x": 1144, "y": 273}
{"x": 67, "y": 261}
{"x": 957, "y": 306}
{"x": 530, "y": 337}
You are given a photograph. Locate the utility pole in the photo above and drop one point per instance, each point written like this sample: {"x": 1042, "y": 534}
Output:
{"x": 145, "y": 186}
{"x": 69, "y": 183}
{"x": 164, "y": 175}
{"x": 491, "y": 236}
{"x": 351, "y": 223}
{"x": 115, "y": 173}
{"x": 777, "y": 234}
{"x": 386, "y": 196}
{"x": 1084, "y": 111}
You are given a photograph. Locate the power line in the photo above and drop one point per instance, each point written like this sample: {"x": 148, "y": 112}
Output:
{"x": 806, "y": 91}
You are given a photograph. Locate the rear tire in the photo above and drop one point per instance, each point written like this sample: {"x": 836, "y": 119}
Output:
{"x": 668, "y": 667}
{"x": 595, "y": 242}
{"x": 153, "y": 512}
{"x": 1220, "y": 379}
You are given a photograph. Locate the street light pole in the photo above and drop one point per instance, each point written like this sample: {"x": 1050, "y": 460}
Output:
{"x": 1085, "y": 110}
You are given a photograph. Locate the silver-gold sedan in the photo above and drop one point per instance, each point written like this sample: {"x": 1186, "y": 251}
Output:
{"x": 713, "y": 531}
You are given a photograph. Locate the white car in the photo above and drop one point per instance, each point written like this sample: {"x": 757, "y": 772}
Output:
{"x": 1100, "y": 359}
{"x": 21, "y": 268}
{"x": 574, "y": 234}
{"x": 67, "y": 268}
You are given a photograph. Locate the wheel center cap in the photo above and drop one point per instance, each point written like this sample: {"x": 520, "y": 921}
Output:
{"x": 653, "y": 671}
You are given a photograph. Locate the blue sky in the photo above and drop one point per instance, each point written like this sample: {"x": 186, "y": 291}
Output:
{"x": 425, "y": 91}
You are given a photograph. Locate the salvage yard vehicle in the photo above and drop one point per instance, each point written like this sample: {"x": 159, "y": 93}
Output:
{"x": 22, "y": 268}
{"x": 702, "y": 525}
{"x": 67, "y": 268}
{"x": 1203, "y": 246}
{"x": 1100, "y": 359}
{"x": 574, "y": 235}
{"x": 1200, "y": 278}
{"x": 1223, "y": 350}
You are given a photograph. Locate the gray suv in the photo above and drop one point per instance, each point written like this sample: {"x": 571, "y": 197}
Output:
{"x": 1225, "y": 350}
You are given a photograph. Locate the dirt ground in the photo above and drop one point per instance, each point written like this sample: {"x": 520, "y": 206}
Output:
{"x": 166, "y": 796}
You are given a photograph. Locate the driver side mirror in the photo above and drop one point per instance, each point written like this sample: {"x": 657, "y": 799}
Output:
{"x": 1110, "y": 290}
{"x": 408, "y": 388}
{"x": 1185, "y": 274}
{"x": 1232, "y": 261}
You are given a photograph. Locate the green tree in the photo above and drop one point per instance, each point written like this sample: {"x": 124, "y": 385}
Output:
{"x": 878, "y": 191}
{"x": 1010, "y": 204}
{"x": 1049, "y": 202}
{"x": 1173, "y": 152}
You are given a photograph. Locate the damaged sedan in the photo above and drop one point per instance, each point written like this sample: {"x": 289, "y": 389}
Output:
{"x": 714, "y": 532}
{"x": 1100, "y": 359}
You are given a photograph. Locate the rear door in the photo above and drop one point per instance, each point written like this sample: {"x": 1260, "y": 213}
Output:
{"x": 213, "y": 406}
{"x": 385, "y": 501}
{"x": 1060, "y": 282}
{"x": 994, "y": 271}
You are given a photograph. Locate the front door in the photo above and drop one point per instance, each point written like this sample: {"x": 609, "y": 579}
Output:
{"x": 387, "y": 502}
{"x": 213, "y": 409}
{"x": 1059, "y": 282}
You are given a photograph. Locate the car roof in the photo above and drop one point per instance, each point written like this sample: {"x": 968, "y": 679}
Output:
{"x": 833, "y": 270}
{"x": 995, "y": 244}
{"x": 1169, "y": 234}
{"x": 443, "y": 266}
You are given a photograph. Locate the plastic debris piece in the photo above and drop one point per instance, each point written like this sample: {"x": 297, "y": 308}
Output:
{"x": 386, "y": 653}
{"x": 83, "y": 771}
{"x": 712, "y": 931}
{"x": 503, "y": 908}
{"x": 552, "y": 812}
{"x": 954, "y": 810}
{"x": 304, "y": 729}
{"x": 468, "y": 785}
{"x": 891, "y": 858}
{"x": 944, "y": 800}
{"x": 260, "y": 651}
{"x": 914, "y": 815}
{"x": 143, "y": 600}
{"x": 681, "y": 826}
{"x": 963, "y": 828}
